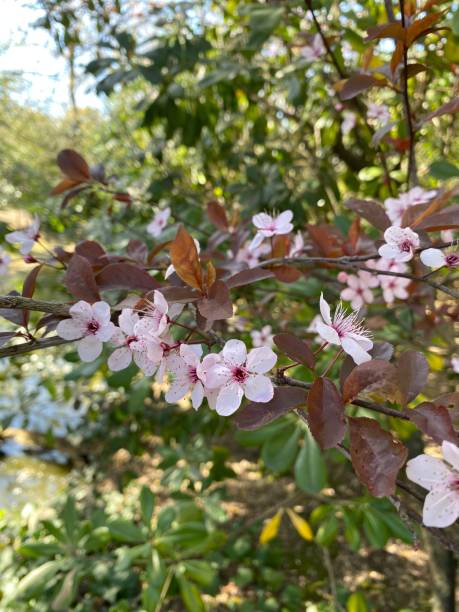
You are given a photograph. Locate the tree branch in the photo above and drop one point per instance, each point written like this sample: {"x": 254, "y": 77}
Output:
{"x": 33, "y": 345}
{"x": 23, "y": 303}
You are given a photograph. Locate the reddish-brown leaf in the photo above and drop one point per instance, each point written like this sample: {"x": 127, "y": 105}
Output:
{"x": 370, "y": 210}
{"x": 435, "y": 421}
{"x": 180, "y": 295}
{"x": 217, "y": 215}
{"x": 326, "y": 413}
{"x": 420, "y": 27}
{"x": 412, "y": 370}
{"x": 255, "y": 414}
{"x": 64, "y": 185}
{"x": 446, "y": 219}
{"x": 185, "y": 259}
{"x": 286, "y": 274}
{"x": 397, "y": 57}
{"x": 5, "y": 336}
{"x": 295, "y": 348}
{"x": 380, "y": 350}
{"x": 386, "y": 30}
{"x": 450, "y": 107}
{"x": 356, "y": 84}
{"x": 328, "y": 239}
{"x": 375, "y": 375}
{"x": 125, "y": 276}
{"x": 73, "y": 165}
{"x": 28, "y": 289}
{"x": 79, "y": 280}
{"x": 90, "y": 250}
{"x": 138, "y": 250}
{"x": 217, "y": 304}
{"x": 280, "y": 246}
{"x": 122, "y": 196}
{"x": 71, "y": 194}
{"x": 376, "y": 456}
{"x": 246, "y": 277}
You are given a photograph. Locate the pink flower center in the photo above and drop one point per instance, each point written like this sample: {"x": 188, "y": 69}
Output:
{"x": 131, "y": 339}
{"x": 239, "y": 374}
{"x": 452, "y": 259}
{"x": 192, "y": 375}
{"x": 406, "y": 246}
{"x": 93, "y": 326}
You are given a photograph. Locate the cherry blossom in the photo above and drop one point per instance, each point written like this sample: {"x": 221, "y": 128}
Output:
{"x": 434, "y": 258}
{"x": 89, "y": 323}
{"x": 344, "y": 330}
{"x": 349, "y": 121}
{"x": 155, "y": 321}
{"x": 396, "y": 207}
{"x": 156, "y": 227}
{"x": 378, "y": 112}
{"x": 441, "y": 505}
{"x": 315, "y": 50}
{"x": 251, "y": 256}
{"x": 358, "y": 291}
{"x": 447, "y": 235}
{"x": 264, "y": 337}
{"x": 400, "y": 243}
{"x": 394, "y": 287}
{"x": 26, "y": 238}
{"x": 269, "y": 226}
{"x": 131, "y": 345}
{"x": 188, "y": 374}
{"x": 237, "y": 373}
{"x": 297, "y": 246}
{"x": 4, "y": 261}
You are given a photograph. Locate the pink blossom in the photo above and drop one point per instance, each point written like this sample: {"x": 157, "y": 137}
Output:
{"x": 26, "y": 238}
{"x": 251, "y": 256}
{"x": 394, "y": 287}
{"x": 237, "y": 373}
{"x": 378, "y": 112}
{"x": 315, "y": 50}
{"x": 441, "y": 505}
{"x": 349, "y": 121}
{"x": 4, "y": 261}
{"x": 434, "y": 258}
{"x": 447, "y": 235}
{"x": 155, "y": 319}
{"x": 188, "y": 374}
{"x": 270, "y": 226}
{"x": 156, "y": 227}
{"x": 264, "y": 337}
{"x": 358, "y": 291}
{"x": 455, "y": 364}
{"x": 344, "y": 330}
{"x": 297, "y": 246}
{"x": 89, "y": 323}
{"x": 396, "y": 207}
{"x": 131, "y": 345}
{"x": 400, "y": 243}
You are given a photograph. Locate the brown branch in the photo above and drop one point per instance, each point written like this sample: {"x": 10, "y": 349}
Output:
{"x": 23, "y": 303}
{"x": 33, "y": 345}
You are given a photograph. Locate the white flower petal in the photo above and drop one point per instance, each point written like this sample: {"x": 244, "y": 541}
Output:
{"x": 229, "y": 399}
{"x": 119, "y": 359}
{"x": 81, "y": 310}
{"x": 197, "y": 395}
{"x": 353, "y": 348}
{"x": 428, "y": 472}
{"x": 234, "y": 352}
{"x": 451, "y": 454}
{"x": 217, "y": 376}
{"x": 177, "y": 391}
{"x": 259, "y": 389}
{"x": 105, "y": 332}
{"x": 327, "y": 333}
{"x": 70, "y": 329}
{"x": 441, "y": 508}
{"x": 147, "y": 366}
{"x": 262, "y": 220}
{"x": 261, "y": 360}
{"x": 433, "y": 258}
{"x": 191, "y": 353}
{"x": 325, "y": 310}
{"x": 127, "y": 319}
{"x": 89, "y": 348}
{"x": 389, "y": 251}
{"x": 256, "y": 241}
{"x": 101, "y": 312}
{"x": 160, "y": 302}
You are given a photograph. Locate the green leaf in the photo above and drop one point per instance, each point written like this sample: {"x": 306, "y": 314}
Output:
{"x": 443, "y": 170}
{"x": 36, "y": 580}
{"x": 190, "y": 595}
{"x": 310, "y": 469}
{"x": 69, "y": 517}
{"x": 375, "y": 530}
{"x": 36, "y": 550}
{"x": 150, "y": 598}
{"x": 279, "y": 452}
{"x": 263, "y": 21}
{"x": 125, "y": 531}
{"x": 147, "y": 505}
{"x": 356, "y": 603}
{"x": 200, "y": 571}
{"x": 327, "y": 532}
{"x": 396, "y": 526}
{"x": 68, "y": 590}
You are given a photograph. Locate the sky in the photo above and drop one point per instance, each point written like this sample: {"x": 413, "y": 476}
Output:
{"x": 31, "y": 52}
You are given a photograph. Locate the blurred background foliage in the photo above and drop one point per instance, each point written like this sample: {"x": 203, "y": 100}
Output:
{"x": 159, "y": 507}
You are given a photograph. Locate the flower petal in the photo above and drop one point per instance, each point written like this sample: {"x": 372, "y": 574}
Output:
{"x": 389, "y": 251}
{"x": 262, "y": 220}
{"x": 433, "y": 258}
{"x": 89, "y": 348}
{"x": 101, "y": 312}
{"x": 229, "y": 399}
{"x": 127, "y": 319}
{"x": 119, "y": 359}
{"x": 428, "y": 472}
{"x": 451, "y": 454}
{"x": 325, "y": 310}
{"x": 256, "y": 241}
{"x": 105, "y": 332}
{"x": 327, "y": 333}
{"x": 177, "y": 391}
{"x": 197, "y": 395}
{"x": 259, "y": 389}
{"x": 441, "y": 508}
{"x": 81, "y": 310}
{"x": 191, "y": 353}
{"x": 217, "y": 376}
{"x": 160, "y": 302}
{"x": 353, "y": 348}
{"x": 70, "y": 329}
{"x": 234, "y": 352}
{"x": 147, "y": 366}
{"x": 261, "y": 360}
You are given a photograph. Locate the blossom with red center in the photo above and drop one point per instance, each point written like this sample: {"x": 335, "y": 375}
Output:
{"x": 264, "y": 337}
{"x": 434, "y": 258}
{"x": 159, "y": 222}
{"x": 401, "y": 242}
{"x": 131, "y": 346}
{"x": 234, "y": 373}
{"x": 344, "y": 330}
{"x": 441, "y": 505}
{"x": 26, "y": 238}
{"x": 358, "y": 291}
{"x": 269, "y": 226}
{"x": 378, "y": 112}
{"x": 315, "y": 50}
{"x": 188, "y": 374}
{"x": 155, "y": 319}
{"x": 396, "y": 207}
{"x": 90, "y": 323}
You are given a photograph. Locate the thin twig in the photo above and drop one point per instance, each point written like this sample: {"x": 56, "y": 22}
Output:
{"x": 33, "y": 345}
